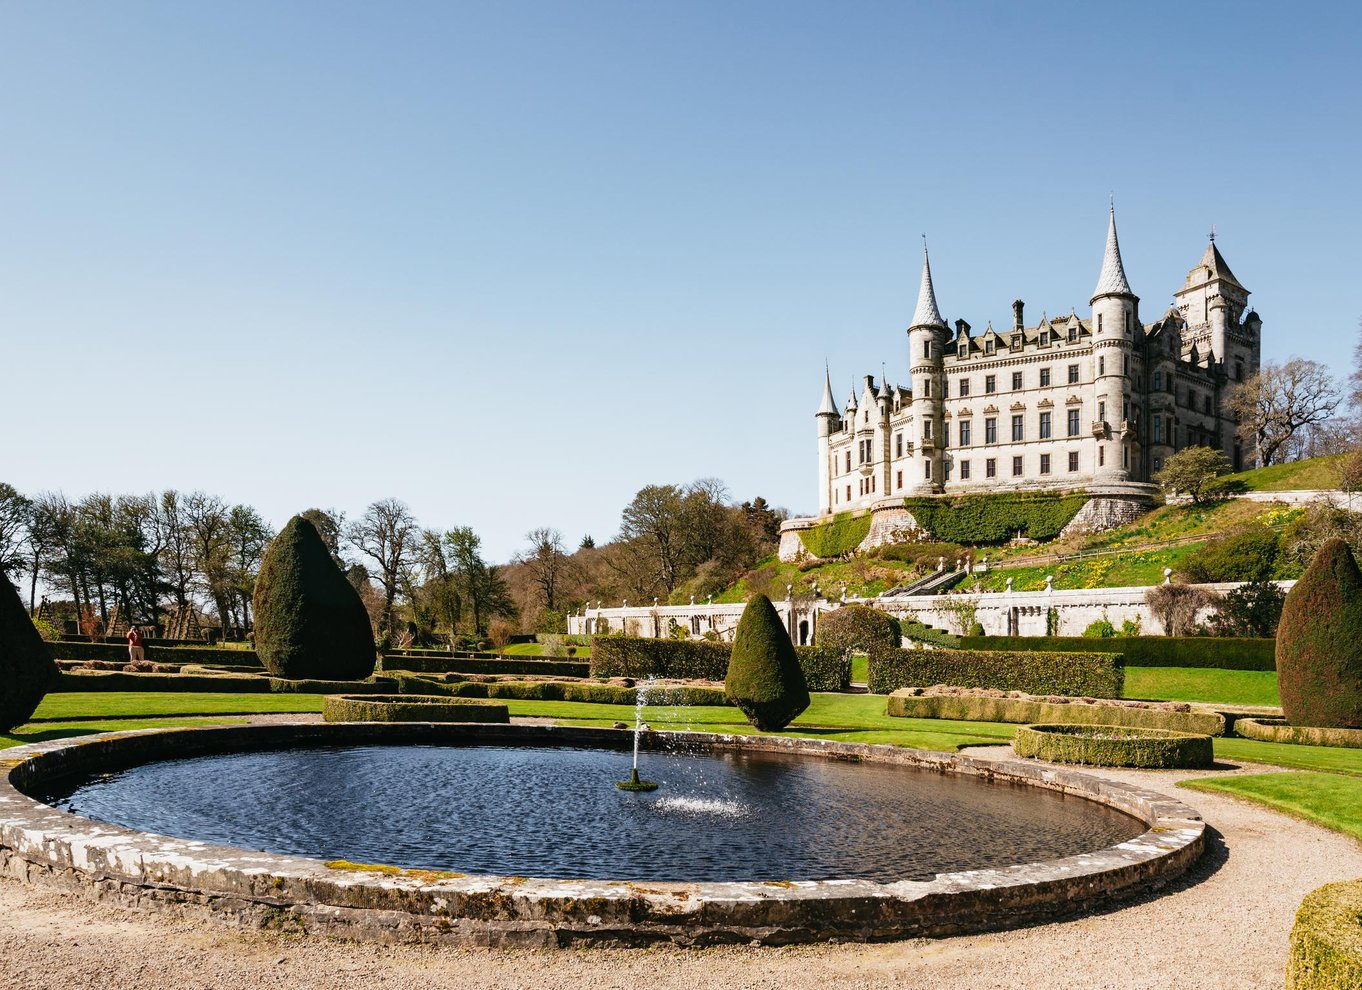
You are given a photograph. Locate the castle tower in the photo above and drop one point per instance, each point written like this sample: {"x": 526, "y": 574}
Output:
{"x": 1114, "y": 322}
{"x": 829, "y": 421}
{"x": 926, "y": 342}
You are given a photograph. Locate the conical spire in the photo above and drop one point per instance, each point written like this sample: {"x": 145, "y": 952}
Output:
{"x": 1112, "y": 281}
{"x": 828, "y": 406}
{"x": 926, "y": 314}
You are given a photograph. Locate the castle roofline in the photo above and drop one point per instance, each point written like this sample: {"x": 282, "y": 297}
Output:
{"x": 1112, "y": 280}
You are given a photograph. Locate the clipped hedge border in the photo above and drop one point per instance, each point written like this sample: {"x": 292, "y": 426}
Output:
{"x": 638, "y": 657}
{"x": 1225, "y": 653}
{"x": 160, "y": 653}
{"x": 837, "y": 537}
{"x": 117, "y": 680}
{"x": 1150, "y": 749}
{"x": 1092, "y": 675}
{"x": 411, "y": 708}
{"x": 444, "y": 663}
{"x": 971, "y": 520}
{"x": 1278, "y": 731}
{"x": 596, "y": 694}
{"x": 903, "y": 704}
{"x": 1326, "y": 940}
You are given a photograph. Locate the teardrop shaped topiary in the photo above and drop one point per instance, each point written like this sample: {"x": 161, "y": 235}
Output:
{"x": 309, "y": 620}
{"x": 1319, "y": 643}
{"x": 26, "y": 668}
{"x": 764, "y": 679}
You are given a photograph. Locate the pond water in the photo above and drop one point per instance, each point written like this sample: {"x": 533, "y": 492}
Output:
{"x": 555, "y": 812}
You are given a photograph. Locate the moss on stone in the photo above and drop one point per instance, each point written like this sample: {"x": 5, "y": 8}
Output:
{"x": 309, "y": 620}
{"x": 1319, "y": 643}
{"x": 764, "y": 679}
{"x": 26, "y": 668}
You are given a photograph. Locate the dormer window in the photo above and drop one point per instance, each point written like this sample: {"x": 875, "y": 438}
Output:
{"x": 988, "y": 347}
{"x": 964, "y": 351}
{"x": 1073, "y": 335}
{"x": 1016, "y": 341}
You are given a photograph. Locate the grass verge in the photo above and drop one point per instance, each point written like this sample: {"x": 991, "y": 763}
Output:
{"x": 1328, "y": 799}
{"x": 1209, "y": 685}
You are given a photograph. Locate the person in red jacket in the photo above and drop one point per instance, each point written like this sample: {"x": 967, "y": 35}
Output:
{"x": 135, "y": 651}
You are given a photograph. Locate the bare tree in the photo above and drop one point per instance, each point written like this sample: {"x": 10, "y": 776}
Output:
{"x": 1280, "y": 400}
{"x": 14, "y": 514}
{"x": 547, "y": 560}
{"x": 1176, "y": 606}
{"x": 387, "y": 534}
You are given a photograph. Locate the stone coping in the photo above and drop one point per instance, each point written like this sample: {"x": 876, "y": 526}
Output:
{"x": 39, "y": 844}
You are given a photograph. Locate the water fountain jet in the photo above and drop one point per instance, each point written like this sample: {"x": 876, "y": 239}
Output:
{"x": 634, "y": 783}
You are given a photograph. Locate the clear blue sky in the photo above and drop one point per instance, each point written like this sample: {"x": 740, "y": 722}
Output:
{"x": 510, "y": 262}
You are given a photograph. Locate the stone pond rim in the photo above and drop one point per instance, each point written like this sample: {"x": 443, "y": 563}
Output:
{"x": 110, "y": 864}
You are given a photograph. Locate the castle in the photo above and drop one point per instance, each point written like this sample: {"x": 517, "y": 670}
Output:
{"x": 1093, "y": 403}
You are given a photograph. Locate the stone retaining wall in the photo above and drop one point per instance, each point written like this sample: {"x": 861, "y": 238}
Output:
{"x": 105, "y": 863}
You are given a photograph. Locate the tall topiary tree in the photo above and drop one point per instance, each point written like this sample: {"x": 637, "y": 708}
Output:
{"x": 26, "y": 668}
{"x": 1319, "y": 642}
{"x": 309, "y": 620}
{"x": 764, "y": 679}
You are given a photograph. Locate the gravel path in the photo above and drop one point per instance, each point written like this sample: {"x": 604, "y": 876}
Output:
{"x": 1224, "y": 927}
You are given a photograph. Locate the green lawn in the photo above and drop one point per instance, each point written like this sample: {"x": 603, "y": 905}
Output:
{"x": 1329, "y": 759}
{"x": 42, "y": 731}
{"x": 1314, "y": 474}
{"x": 69, "y": 705}
{"x": 1209, "y": 685}
{"x": 1330, "y": 799}
{"x": 537, "y": 650}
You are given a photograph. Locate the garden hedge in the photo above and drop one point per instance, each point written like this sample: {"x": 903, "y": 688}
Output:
{"x": 1115, "y": 746}
{"x": 1096, "y": 675}
{"x": 632, "y": 656}
{"x": 1319, "y": 643}
{"x": 309, "y": 619}
{"x": 411, "y": 708}
{"x": 973, "y": 520}
{"x": 856, "y": 629}
{"x": 1224, "y": 653}
{"x": 1326, "y": 940}
{"x": 444, "y": 663}
{"x": 598, "y": 694}
{"x": 837, "y": 537}
{"x": 26, "y": 668}
{"x": 67, "y": 650}
{"x": 117, "y": 680}
{"x": 764, "y": 679}
{"x": 1279, "y": 731}
{"x": 905, "y": 704}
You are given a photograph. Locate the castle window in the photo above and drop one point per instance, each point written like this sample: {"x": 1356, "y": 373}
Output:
{"x": 1016, "y": 381}
{"x": 927, "y": 429}
{"x": 1073, "y": 374}
{"x": 964, "y": 430}
{"x": 1158, "y": 381}
{"x": 848, "y": 469}
{"x": 1073, "y": 422}
{"x": 898, "y": 444}
{"x": 988, "y": 346}
{"x": 1045, "y": 426}
{"x": 1101, "y": 366}
{"x": 1102, "y": 412}
{"x": 964, "y": 387}
{"x": 1044, "y": 463}
{"x": 898, "y": 478}
{"x": 1044, "y": 377}
{"x": 1073, "y": 334}
{"x": 964, "y": 470}
{"x": 991, "y": 468}
{"x": 1125, "y": 366}
{"x": 848, "y": 493}
{"x": 1101, "y": 456}
{"x": 991, "y": 430}
{"x": 946, "y": 471}
{"x": 1016, "y": 341}
{"x": 1127, "y": 323}
{"x": 990, "y": 384}
{"x": 927, "y": 349}
{"x": 1016, "y": 467}
{"x": 964, "y": 351}
{"x": 1158, "y": 429}
{"x": 1158, "y": 464}
{"x": 945, "y": 434}
{"x": 1125, "y": 456}
{"x": 1239, "y": 371}
{"x": 926, "y": 388}
{"x": 1018, "y": 429}
{"x": 1206, "y": 402}
{"x": 1099, "y": 322}
{"x": 1073, "y": 460}
{"x": 927, "y": 468}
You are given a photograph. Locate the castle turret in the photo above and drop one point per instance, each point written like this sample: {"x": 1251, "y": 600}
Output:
{"x": 829, "y": 422}
{"x": 926, "y": 339}
{"x": 1114, "y": 321}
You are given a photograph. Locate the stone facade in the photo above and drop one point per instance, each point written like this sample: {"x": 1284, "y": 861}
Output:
{"x": 1070, "y": 402}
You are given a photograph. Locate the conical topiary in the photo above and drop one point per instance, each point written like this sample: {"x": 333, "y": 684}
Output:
{"x": 1319, "y": 643}
{"x": 309, "y": 620}
{"x": 26, "y": 668}
{"x": 764, "y": 679}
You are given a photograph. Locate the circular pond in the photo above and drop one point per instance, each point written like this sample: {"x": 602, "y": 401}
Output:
{"x": 554, "y": 811}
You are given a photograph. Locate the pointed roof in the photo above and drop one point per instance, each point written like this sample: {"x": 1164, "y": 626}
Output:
{"x": 926, "y": 314}
{"x": 1215, "y": 261}
{"x": 828, "y": 406}
{"x": 1112, "y": 281}
{"x": 851, "y": 403}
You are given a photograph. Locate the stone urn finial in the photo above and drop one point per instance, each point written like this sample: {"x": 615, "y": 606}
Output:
{"x": 1168, "y": 575}
{"x": 1009, "y": 584}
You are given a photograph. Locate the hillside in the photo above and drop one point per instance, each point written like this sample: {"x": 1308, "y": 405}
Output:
{"x": 1173, "y": 536}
